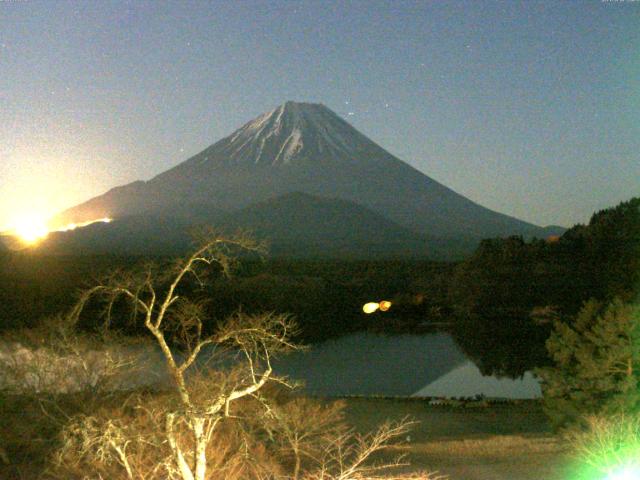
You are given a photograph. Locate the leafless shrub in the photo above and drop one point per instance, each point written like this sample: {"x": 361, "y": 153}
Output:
{"x": 349, "y": 456}
{"x": 55, "y": 358}
{"x": 301, "y": 429}
{"x": 128, "y": 442}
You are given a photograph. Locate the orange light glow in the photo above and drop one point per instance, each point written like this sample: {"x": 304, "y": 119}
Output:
{"x": 30, "y": 228}
{"x": 385, "y": 305}
{"x": 73, "y": 226}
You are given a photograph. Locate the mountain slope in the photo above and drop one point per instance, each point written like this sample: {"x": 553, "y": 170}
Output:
{"x": 151, "y": 233}
{"x": 294, "y": 225}
{"x": 306, "y": 148}
{"x": 129, "y": 235}
{"x": 302, "y": 225}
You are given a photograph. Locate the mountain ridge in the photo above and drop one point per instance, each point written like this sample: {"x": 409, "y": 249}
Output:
{"x": 305, "y": 147}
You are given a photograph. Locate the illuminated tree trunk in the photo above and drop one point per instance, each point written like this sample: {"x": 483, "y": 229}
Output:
{"x": 183, "y": 466}
{"x": 201, "y": 445}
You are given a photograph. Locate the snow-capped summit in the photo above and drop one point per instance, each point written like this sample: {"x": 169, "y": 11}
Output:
{"x": 307, "y": 148}
{"x": 292, "y": 132}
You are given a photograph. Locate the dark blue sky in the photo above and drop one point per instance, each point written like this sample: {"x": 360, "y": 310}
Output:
{"x": 531, "y": 109}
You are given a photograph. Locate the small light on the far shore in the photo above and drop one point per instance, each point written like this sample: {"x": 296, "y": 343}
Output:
{"x": 385, "y": 305}
{"x": 370, "y": 307}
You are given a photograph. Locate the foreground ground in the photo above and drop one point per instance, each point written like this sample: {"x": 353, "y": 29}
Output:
{"x": 495, "y": 442}
{"x": 472, "y": 442}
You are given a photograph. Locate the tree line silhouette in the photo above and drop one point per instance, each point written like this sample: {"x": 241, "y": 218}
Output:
{"x": 499, "y": 303}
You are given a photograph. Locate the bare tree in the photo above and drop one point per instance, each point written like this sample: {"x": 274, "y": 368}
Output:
{"x": 170, "y": 318}
{"x": 182, "y": 432}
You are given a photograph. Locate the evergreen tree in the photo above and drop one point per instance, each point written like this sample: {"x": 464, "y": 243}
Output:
{"x": 597, "y": 364}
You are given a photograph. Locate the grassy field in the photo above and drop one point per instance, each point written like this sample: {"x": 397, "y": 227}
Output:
{"x": 497, "y": 442}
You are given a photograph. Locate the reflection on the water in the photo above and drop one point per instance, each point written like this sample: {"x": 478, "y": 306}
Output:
{"x": 372, "y": 364}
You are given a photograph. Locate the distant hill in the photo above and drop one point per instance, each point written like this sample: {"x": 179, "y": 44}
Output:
{"x": 295, "y": 225}
{"x": 302, "y": 225}
{"x": 307, "y": 148}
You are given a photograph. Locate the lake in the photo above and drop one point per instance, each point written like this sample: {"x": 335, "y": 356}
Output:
{"x": 360, "y": 364}
{"x": 429, "y": 365}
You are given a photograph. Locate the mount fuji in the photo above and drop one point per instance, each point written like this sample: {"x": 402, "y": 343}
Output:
{"x": 302, "y": 148}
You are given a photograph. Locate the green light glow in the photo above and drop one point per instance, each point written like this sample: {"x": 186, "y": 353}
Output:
{"x": 625, "y": 473}
{"x": 609, "y": 449}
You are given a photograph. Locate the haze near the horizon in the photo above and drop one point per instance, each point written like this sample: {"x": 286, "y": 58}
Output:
{"x": 531, "y": 109}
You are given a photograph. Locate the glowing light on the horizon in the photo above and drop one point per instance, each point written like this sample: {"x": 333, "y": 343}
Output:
{"x": 73, "y": 226}
{"x": 30, "y": 228}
